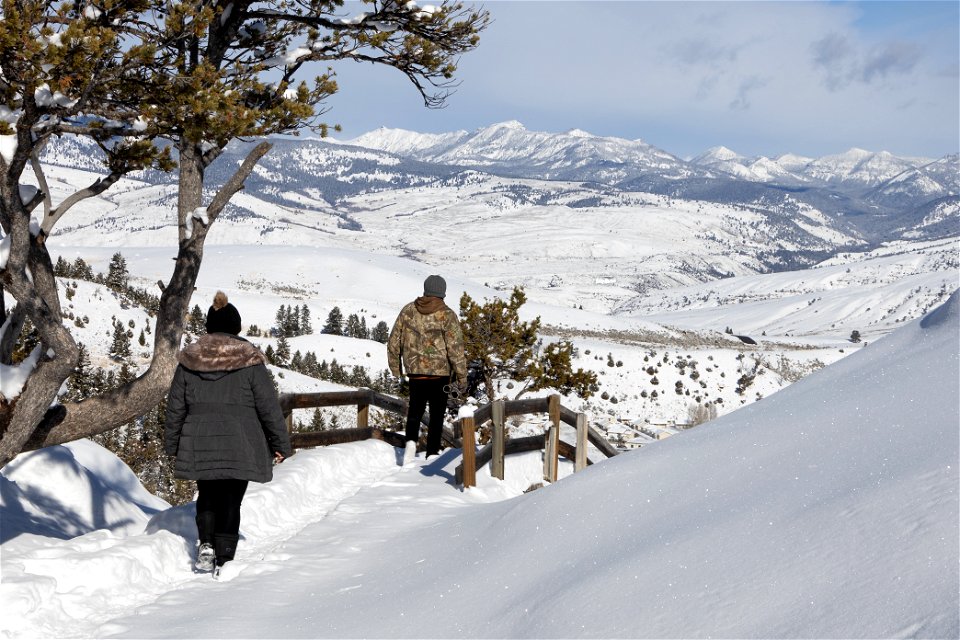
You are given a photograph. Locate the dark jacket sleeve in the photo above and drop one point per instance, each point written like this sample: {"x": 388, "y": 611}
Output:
{"x": 270, "y": 413}
{"x": 176, "y": 413}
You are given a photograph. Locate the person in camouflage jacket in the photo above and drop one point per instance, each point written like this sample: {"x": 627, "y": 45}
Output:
{"x": 426, "y": 345}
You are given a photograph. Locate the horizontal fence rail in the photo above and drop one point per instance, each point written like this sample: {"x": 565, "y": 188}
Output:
{"x": 463, "y": 434}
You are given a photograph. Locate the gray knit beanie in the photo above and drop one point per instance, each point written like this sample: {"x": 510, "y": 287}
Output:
{"x": 435, "y": 286}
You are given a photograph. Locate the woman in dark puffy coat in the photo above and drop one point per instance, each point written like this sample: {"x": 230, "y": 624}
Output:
{"x": 225, "y": 427}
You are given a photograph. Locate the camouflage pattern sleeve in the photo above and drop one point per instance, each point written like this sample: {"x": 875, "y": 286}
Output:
{"x": 394, "y": 344}
{"x": 456, "y": 353}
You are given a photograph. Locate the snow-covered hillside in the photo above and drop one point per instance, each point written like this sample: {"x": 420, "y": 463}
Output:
{"x": 829, "y": 510}
{"x": 648, "y": 372}
{"x": 870, "y": 292}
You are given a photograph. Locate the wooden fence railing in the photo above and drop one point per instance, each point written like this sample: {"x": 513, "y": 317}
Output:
{"x": 463, "y": 435}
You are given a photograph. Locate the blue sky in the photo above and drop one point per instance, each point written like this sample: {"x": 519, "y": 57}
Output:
{"x": 762, "y": 78}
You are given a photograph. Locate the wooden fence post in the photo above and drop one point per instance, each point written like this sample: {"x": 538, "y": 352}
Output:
{"x": 363, "y": 415}
{"x": 581, "y": 455}
{"x": 469, "y": 452}
{"x": 497, "y": 415}
{"x": 551, "y": 460}
{"x": 289, "y": 420}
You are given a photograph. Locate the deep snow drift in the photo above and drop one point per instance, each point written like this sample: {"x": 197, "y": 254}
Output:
{"x": 827, "y": 510}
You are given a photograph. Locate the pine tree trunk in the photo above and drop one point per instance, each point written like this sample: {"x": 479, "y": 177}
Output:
{"x": 124, "y": 404}
{"x": 41, "y": 304}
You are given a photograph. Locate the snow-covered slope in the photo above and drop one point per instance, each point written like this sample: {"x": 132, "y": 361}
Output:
{"x": 759, "y": 169}
{"x": 603, "y": 244}
{"x": 407, "y": 143}
{"x": 828, "y": 510}
{"x": 871, "y": 292}
{"x": 937, "y": 179}
{"x": 860, "y": 167}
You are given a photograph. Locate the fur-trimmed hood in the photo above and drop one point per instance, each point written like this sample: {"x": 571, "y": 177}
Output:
{"x": 220, "y": 352}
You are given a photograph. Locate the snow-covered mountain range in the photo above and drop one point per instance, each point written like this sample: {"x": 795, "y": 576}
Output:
{"x": 510, "y": 149}
{"x": 578, "y": 219}
{"x": 874, "y": 196}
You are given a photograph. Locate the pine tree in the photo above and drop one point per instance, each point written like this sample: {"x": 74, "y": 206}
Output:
{"x": 270, "y": 355}
{"x": 337, "y": 373}
{"x": 295, "y": 321}
{"x": 306, "y": 328}
{"x": 317, "y": 423}
{"x": 280, "y": 322}
{"x": 282, "y": 354}
{"x": 120, "y": 346}
{"x": 296, "y": 362}
{"x": 334, "y": 325}
{"x": 310, "y": 364}
{"x": 81, "y": 270}
{"x": 197, "y": 321}
{"x": 499, "y": 345}
{"x": 197, "y": 76}
{"x": 118, "y": 278}
{"x": 79, "y": 386}
{"x": 359, "y": 377}
{"x": 62, "y": 268}
{"x": 381, "y": 332}
{"x": 125, "y": 374}
{"x": 364, "y": 332}
{"x": 352, "y": 328}
{"x": 98, "y": 381}
{"x": 384, "y": 383}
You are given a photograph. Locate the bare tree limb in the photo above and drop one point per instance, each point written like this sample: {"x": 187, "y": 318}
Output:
{"x": 41, "y": 176}
{"x": 98, "y": 187}
{"x": 235, "y": 183}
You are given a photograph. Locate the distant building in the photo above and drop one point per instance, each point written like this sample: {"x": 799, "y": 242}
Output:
{"x": 638, "y": 441}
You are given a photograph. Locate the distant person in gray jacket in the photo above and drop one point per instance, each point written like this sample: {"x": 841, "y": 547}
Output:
{"x": 225, "y": 427}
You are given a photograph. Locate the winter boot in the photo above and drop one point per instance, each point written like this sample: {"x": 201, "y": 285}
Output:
{"x": 409, "y": 452}
{"x": 225, "y": 546}
{"x": 206, "y": 557}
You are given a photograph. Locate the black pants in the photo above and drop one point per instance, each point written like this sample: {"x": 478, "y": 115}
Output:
{"x": 218, "y": 515}
{"x": 423, "y": 392}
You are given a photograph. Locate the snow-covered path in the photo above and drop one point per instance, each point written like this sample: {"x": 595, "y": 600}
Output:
{"x": 329, "y": 516}
{"x": 329, "y": 556}
{"x": 828, "y": 510}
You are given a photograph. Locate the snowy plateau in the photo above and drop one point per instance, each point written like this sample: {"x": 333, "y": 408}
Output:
{"x": 822, "y": 502}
